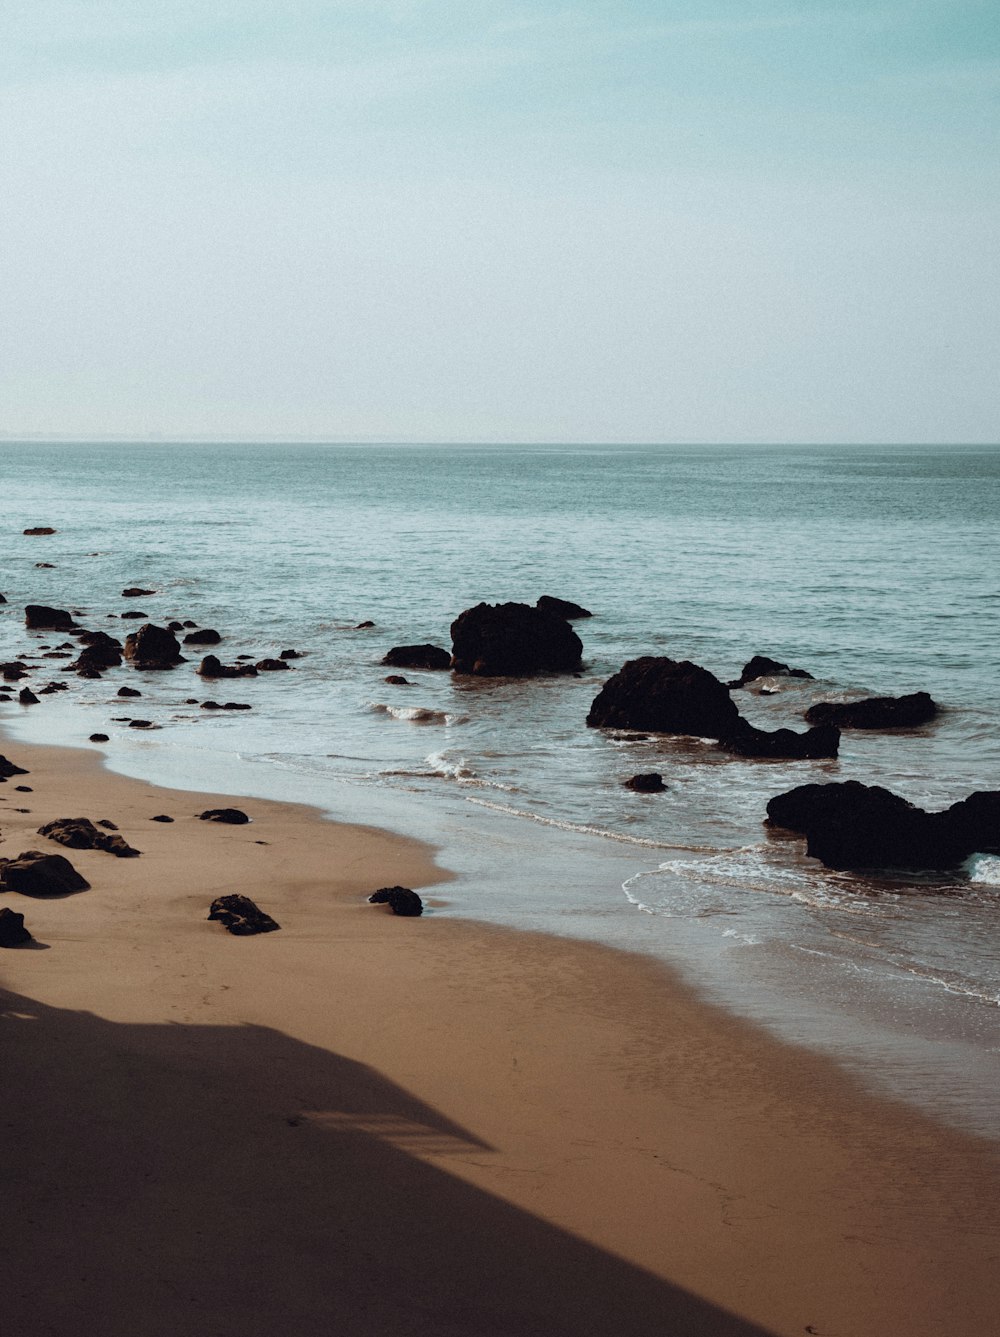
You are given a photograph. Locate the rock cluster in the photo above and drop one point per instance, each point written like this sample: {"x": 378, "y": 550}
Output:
{"x": 80, "y": 833}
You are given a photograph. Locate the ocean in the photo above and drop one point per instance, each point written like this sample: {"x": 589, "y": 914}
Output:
{"x": 873, "y": 568}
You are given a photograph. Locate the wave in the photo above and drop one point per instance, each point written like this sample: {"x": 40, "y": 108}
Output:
{"x": 583, "y": 829}
{"x": 440, "y": 766}
{"x": 416, "y": 714}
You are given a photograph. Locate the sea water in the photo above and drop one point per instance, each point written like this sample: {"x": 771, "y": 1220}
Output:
{"x": 875, "y": 569}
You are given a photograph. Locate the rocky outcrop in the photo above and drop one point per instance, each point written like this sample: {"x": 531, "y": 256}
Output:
{"x": 875, "y": 712}
{"x": 561, "y": 607}
{"x": 400, "y": 900}
{"x": 513, "y": 640}
{"x": 851, "y": 825}
{"x": 153, "y": 647}
{"x": 665, "y": 696}
{"x": 241, "y": 916}
{"x": 760, "y": 666}
{"x": 417, "y": 656}
{"x": 12, "y": 930}
{"x": 37, "y": 874}
{"x": 229, "y": 816}
{"x": 80, "y": 833}
{"x": 210, "y": 667}
{"x": 38, "y": 617}
{"x": 203, "y": 636}
{"x": 823, "y": 741}
{"x": 650, "y": 782}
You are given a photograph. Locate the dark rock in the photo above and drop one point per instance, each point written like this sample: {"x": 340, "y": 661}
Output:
{"x": 417, "y": 657}
{"x": 244, "y": 657}
{"x": 397, "y": 680}
{"x": 12, "y": 930}
{"x": 270, "y": 665}
{"x": 89, "y": 673}
{"x": 204, "y": 636}
{"x": 210, "y": 705}
{"x": 236, "y": 705}
{"x": 875, "y": 712}
{"x": 7, "y": 769}
{"x": 364, "y": 626}
{"x": 93, "y": 658}
{"x": 80, "y": 833}
{"x": 241, "y": 916}
{"x": 763, "y": 667}
{"x": 665, "y": 696}
{"x": 39, "y": 529}
{"x": 401, "y": 900}
{"x": 13, "y": 671}
{"x": 290, "y": 654}
{"x": 38, "y": 874}
{"x": 128, "y": 691}
{"x": 231, "y": 816}
{"x": 45, "y": 566}
{"x": 135, "y": 612}
{"x": 2, "y": 599}
{"x": 649, "y": 783}
{"x": 24, "y": 789}
{"x": 142, "y": 724}
{"x": 512, "y": 639}
{"x": 27, "y": 697}
{"x": 190, "y": 700}
{"x": 822, "y": 741}
{"x": 152, "y": 647}
{"x": 975, "y": 822}
{"x": 161, "y": 817}
{"x": 173, "y": 626}
{"x": 106, "y": 823}
{"x": 52, "y": 687}
{"x": 187, "y": 623}
{"x": 210, "y": 667}
{"x": 561, "y": 607}
{"x": 851, "y": 825}
{"x": 134, "y": 592}
{"x": 99, "y": 738}
{"x": 38, "y": 617}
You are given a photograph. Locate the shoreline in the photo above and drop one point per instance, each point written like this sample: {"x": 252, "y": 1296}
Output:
{"x": 375, "y": 1125}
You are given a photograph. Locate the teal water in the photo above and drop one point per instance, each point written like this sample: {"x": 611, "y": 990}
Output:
{"x": 874, "y": 568}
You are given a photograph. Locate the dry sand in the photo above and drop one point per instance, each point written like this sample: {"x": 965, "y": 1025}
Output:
{"x": 368, "y": 1125}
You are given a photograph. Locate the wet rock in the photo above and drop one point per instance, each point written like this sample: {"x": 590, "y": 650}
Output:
{"x": 822, "y": 741}
{"x": 135, "y": 613}
{"x": 760, "y": 666}
{"x": 153, "y": 647}
{"x": 850, "y": 825}
{"x": 142, "y": 724}
{"x": 14, "y": 671}
{"x": 106, "y": 823}
{"x": 39, "y": 529}
{"x": 2, "y": 599}
{"x": 210, "y": 667}
{"x": 93, "y": 658}
{"x": 650, "y": 782}
{"x": 364, "y": 626}
{"x": 99, "y": 738}
{"x": 270, "y": 665}
{"x": 8, "y": 768}
{"x": 210, "y": 705}
{"x": 241, "y": 916}
{"x": 290, "y": 654}
{"x": 512, "y": 640}
{"x": 875, "y": 712}
{"x": 52, "y": 687}
{"x": 128, "y": 691}
{"x": 417, "y": 657}
{"x": 27, "y": 697}
{"x": 230, "y": 816}
{"x": 134, "y": 592}
{"x": 38, "y": 617}
{"x": 161, "y": 817}
{"x": 173, "y": 626}
{"x": 12, "y": 930}
{"x": 24, "y": 789}
{"x": 236, "y": 705}
{"x": 203, "y": 636}
{"x": 561, "y": 607}
{"x": 37, "y": 874}
{"x": 397, "y": 680}
{"x": 80, "y": 833}
{"x": 187, "y": 624}
{"x": 975, "y": 822}
{"x": 663, "y": 695}
{"x": 401, "y": 900}
{"x": 45, "y": 566}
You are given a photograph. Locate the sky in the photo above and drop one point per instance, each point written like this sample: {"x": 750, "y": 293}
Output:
{"x": 425, "y": 220}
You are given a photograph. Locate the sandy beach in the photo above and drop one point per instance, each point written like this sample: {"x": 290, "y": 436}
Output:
{"x": 364, "y": 1124}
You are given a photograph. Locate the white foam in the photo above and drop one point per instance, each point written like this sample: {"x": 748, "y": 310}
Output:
{"x": 985, "y": 869}
{"x": 416, "y": 714}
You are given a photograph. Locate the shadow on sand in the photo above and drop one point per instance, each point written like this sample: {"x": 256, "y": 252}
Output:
{"x": 201, "y": 1181}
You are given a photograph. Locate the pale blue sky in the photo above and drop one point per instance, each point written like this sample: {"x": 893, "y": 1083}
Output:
{"x": 537, "y": 221}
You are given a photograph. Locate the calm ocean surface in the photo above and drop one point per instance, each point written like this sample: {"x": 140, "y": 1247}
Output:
{"x": 876, "y": 569}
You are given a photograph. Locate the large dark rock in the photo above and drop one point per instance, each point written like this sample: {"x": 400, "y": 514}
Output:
{"x": 760, "y": 666}
{"x": 417, "y": 656}
{"x": 851, "y": 825}
{"x": 875, "y": 712}
{"x": 153, "y": 647}
{"x": 822, "y": 741}
{"x": 230, "y": 816}
{"x": 38, "y": 617}
{"x": 210, "y": 667}
{"x": 8, "y": 768}
{"x": 241, "y": 916}
{"x": 38, "y": 874}
{"x": 203, "y": 636}
{"x": 661, "y": 695}
{"x": 12, "y": 930}
{"x": 80, "y": 833}
{"x": 400, "y": 900}
{"x": 561, "y": 607}
{"x": 975, "y": 821}
{"x": 511, "y": 640}
{"x": 100, "y": 651}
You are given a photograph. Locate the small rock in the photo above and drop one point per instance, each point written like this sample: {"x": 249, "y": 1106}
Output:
{"x": 134, "y": 592}
{"x": 7, "y": 768}
{"x": 417, "y": 657}
{"x": 38, "y": 617}
{"x": 230, "y": 816}
{"x": 401, "y": 900}
{"x": 290, "y": 654}
{"x": 134, "y": 612}
{"x": 270, "y": 665}
{"x": 651, "y": 782}
{"x": 241, "y": 916}
{"x": 99, "y": 738}
{"x": 80, "y": 833}
{"x": 562, "y": 607}
{"x": 205, "y": 636}
{"x": 27, "y": 697}
{"x": 39, "y": 529}
{"x": 161, "y": 817}
{"x": 398, "y": 680}
{"x": 12, "y": 930}
{"x": 142, "y": 724}
{"x": 364, "y": 626}
{"x": 128, "y": 691}
{"x": 24, "y": 789}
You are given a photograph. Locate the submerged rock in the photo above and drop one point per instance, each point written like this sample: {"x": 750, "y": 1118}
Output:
{"x": 513, "y": 640}
{"x": 134, "y": 592}
{"x": 875, "y": 712}
{"x": 822, "y": 741}
{"x": 761, "y": 666}
{"x": 204, "y": 636}
{"x": 241, "y": 916}
{"x": 400, "y": 900}
{"x": 417, "y": 656}
{"x": 650, "y": 782}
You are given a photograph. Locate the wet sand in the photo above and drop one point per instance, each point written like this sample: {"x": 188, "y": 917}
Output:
{"x": 365, "y": 1125}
